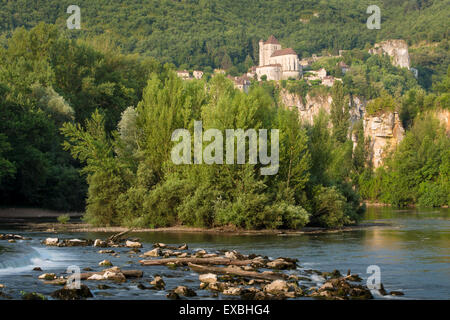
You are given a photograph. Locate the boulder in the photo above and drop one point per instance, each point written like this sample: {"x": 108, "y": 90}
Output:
{"x": 96, "y": 277}
{"x": 76, "y": 243}
{"x": 2, "y": 286}
{"x": 217, "y": 286}
{"x": 234, "y": 291}
{"x": 153, "y": 253}
{"x": 230, "y": 255}
{"x": 133, "y": 244}
{"x": 37, "y": 269}
{"x": 51, "y": 241}
{"x": 114, "y": 276}
{"x": 72, "y": 294}
{"x": 158, "y": 283}
{"x": 280, "y": 264}
{"x": 47, "y": 276}
{"x": 100, "y": 243}
{"x": 184, "y": 291}
{"x": 106, "y": 251}
{"x": 105, "y": 263}
{"x": 277, "y": 287}
{"x": 208, "y": 278}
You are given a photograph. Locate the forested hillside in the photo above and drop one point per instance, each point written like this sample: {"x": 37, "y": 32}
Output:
{"x": 201, "y": 33}
{"x": 86, "y": 115}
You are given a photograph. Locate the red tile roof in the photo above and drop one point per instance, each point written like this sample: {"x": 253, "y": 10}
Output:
{"x": 272, "y": 40}
{"x": 283, "y": 52}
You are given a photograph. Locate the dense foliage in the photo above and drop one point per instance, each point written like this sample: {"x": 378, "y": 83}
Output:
{"x": 86, "y": 115}
{"x": 133, "y": 181}
{"x": 47, "y": 79}
{"x": 225, "y": 33}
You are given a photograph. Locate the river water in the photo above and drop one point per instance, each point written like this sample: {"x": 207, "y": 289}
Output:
{"x": 412, "y": 252}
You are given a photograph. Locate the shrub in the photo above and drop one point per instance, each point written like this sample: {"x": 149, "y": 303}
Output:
{"x": 64, "y": 218}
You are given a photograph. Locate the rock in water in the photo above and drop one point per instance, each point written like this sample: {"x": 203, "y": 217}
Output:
{"x": 96, "y": 277}
{"x": 153, "y": 253}
{"x": 105, "y": 263}
{"x": 208, "y": 278}
{"x": 133, "y": 244}
{"x": 47, "y": 276}
{"x": 184, "y": 291}
{"x": 51, "y": 241}
{"x": 114, "y": 276}
{"x": 72, "y": 294}
{"x": 100, "y": 243}
{"x": 277, "y": 287}
{"x": 232, "y": 291}
{"x": 158, "y": 283}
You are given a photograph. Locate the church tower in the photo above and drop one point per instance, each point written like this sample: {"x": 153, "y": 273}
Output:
{"x": 261, "y": 52}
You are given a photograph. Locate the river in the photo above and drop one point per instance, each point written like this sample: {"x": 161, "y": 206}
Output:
{"x": 412, "y": 252}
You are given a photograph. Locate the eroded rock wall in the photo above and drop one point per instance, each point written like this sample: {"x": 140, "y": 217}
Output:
{"x": 397, "y": 49}
{"x": 311, "y": 105}
{"x": 385, "y": 132}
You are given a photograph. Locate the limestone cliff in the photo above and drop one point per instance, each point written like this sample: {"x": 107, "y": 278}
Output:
{"x": 309, "y": 107}
{"x": 397, "y": 49}
{"x": 384, "y": 131}
{"x": 443, "y": 116}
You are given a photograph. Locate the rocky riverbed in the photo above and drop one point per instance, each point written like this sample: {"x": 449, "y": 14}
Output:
{"x": 224, "y": 274}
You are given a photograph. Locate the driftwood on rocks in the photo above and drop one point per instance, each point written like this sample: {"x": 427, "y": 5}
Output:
{"x": 116, "y": 237}
{"x": 126, "y": 273}
{"x": 214, "y": 261}
{"x": 237, "y": 271}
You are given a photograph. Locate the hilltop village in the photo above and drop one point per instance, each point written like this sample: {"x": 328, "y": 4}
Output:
{"x": 277, "y": 63}
{"x": 283, "y": 64}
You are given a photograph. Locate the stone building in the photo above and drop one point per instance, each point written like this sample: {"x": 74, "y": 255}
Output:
{"x": 183, "y": 74}
{"x": 277, "y": 63}
{"x": 197, "y": 74}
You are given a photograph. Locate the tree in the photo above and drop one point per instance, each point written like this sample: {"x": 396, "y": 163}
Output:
{"x": 340, "y": 115}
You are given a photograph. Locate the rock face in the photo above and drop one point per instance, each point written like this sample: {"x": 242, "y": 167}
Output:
{"x": 397, "y": 49}
{"x": 310, "y": 107}
{"x": 443, "y": 116}
{"x": 385, "y": 132}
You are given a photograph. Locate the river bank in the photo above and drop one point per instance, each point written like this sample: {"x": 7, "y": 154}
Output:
{"x": 39, "y": 220}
